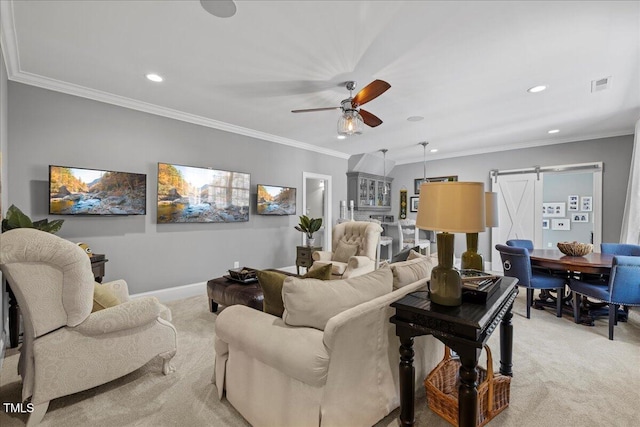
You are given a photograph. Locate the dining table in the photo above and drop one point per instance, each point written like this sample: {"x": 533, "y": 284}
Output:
{"x": 595, "y": 264}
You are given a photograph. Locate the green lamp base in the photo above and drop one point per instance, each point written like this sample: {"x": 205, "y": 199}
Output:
{"x": 445, "y": 284}
{"x": 471, "y": 259}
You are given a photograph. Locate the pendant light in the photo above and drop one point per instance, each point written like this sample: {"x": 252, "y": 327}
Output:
{"x": 424, "y": 159}
{"x": 385, "y": 190}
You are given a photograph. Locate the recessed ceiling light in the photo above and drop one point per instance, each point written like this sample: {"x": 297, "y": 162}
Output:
{"x": 415, "y": 118}
{"x": 154, "y": 77}
{"x": 536, "y": 89}
{"x": 554, "y": 131}
{"x": 342, "y": 137}
{"x": 433, "y": 150}
{"x": 219, "y": 8}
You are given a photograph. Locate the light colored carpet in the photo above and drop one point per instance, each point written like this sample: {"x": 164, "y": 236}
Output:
{"x": 564, "y": 375}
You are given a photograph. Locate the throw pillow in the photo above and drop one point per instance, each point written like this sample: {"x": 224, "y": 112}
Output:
{"x": 312, "y": 303}
{"x": 407, "y": 272}
{"x": 103, "y": 298}
{"x": 413, "y": 254}
{"x": 271, "y": 283}
{"x": 344, "y": 251}
{"x": 403, "y": 254}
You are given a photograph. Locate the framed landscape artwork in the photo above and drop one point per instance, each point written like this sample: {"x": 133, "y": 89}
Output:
{"x": 418, "y": 181}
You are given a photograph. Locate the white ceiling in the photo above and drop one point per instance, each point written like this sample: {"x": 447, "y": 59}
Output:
{"x": 463, "y": 66}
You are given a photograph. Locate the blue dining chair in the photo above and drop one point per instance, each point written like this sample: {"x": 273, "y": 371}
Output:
{"x": 623, "y": 288}
{"x": 620, "y": 249}
{"x": 520, "y": 243}
{"x": 516, "y": 263}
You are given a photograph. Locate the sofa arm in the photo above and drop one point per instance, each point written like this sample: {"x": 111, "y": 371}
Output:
{"x": 359, "y": 265}
{"x": 119, "y": 288}
{"x": 297, "y": 352}
{"x": 128, "y": 315}
{"x": 322, "y": 256}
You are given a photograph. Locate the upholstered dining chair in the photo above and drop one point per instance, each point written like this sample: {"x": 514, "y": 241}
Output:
{"x": 354, "y": 249}
{"x": 516, "y": 263}
{"x": 620, "y": 249}
{"x": 623, "y": 288}
{"x": 520, "y": 243}
{"x": 68, "y": 348}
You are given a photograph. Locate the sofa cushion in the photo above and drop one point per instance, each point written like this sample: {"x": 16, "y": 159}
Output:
{"x": 271, "y": 283}
{"x": 344, "y": 251}
{"x": 103, "y": 298}
{"x": 403, "y": 254}
{"x": 407, "y": 272}
{"x": 313, "y": 302}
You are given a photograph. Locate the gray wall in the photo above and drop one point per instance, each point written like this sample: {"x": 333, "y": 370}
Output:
{"x": 614, "y": 152}
{"x": 47, "y": 127}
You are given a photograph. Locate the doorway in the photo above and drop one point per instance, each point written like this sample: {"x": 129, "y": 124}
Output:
{"x": 316, "y": 203}
{"x": 547, "y": 205}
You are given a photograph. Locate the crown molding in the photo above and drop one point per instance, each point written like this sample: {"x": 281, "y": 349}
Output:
{"x": 518, "y": 146}
{"x": 9, "y": 45}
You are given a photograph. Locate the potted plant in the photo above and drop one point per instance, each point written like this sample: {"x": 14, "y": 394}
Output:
{"x": 309, "y": 226}
{"x": 15, "y": 218}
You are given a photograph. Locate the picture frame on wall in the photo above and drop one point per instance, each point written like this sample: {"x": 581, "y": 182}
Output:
{"x": 586, "y": 203}
{"x": 418, "y": 181}
{"x": 562, "y": 224}
{"x": 554, "y": 210}
{"x": 545, "y": 224}
{"x": 572, "y": 202}
{"x": 413, "y": 204}
{"x": 580, "y": 217}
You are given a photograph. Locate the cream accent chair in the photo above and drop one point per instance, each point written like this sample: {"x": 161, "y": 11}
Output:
{"x": 366, "y": 234}
{"x": 276, "y": 374}
{"x": 67, "y": 348}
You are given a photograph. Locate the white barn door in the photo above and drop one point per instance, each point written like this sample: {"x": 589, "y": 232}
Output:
{"x": 519, "y": 210}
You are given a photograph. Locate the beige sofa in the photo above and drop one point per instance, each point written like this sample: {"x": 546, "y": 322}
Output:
{"x": 342, "y": 373}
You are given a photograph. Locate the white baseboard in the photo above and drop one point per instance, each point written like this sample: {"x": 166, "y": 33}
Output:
{"x": 175, "y": 293}
{"x": 186, "y": 291}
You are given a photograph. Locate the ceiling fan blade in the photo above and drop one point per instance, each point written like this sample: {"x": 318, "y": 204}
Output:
{"x": 369, "y": 92}
{"x": 308, "y": 110}
{"x": 369, "y": 119}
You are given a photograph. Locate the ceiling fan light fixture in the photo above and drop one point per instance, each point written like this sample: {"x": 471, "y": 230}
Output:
{"x": 350, "y": 123}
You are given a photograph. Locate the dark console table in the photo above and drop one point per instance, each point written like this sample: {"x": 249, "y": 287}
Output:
{"x": 97, "y": 267}
{"x": 465, "y": 329}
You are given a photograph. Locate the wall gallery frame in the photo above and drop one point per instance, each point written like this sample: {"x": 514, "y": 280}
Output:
{"x": 586, "y": 203}
{"x": 554, "y": 209}
{"x": 572, "y": 204}
{"x": 545, "y": 224}
{"x": 413, "y": 205}
{"x": 418, "y": 181}
{"x": 580, "y": 217}
{"x": 563, "y": 224}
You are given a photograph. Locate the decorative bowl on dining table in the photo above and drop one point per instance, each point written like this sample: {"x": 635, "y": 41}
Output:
{"x": 575, "y": 248}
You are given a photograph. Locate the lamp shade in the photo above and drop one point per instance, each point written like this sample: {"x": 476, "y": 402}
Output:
{"x": 455, "y": 207}
{"x": 491, "y": 209}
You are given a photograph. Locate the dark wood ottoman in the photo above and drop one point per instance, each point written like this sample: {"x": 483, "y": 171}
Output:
{"x": 227, "y": 292}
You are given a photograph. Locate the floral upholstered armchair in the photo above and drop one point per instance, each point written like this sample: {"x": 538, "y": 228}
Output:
{"x": 68, "y": 348}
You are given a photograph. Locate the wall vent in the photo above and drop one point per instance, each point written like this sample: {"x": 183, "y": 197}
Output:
{"x": 600, "y": 84}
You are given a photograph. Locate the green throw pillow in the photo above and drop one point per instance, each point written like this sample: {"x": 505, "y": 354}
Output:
{"x": 103, "y": 298}
{"x": 271, "y": 283}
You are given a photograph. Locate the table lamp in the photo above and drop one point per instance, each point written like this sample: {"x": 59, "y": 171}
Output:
{"x": 471, "y": 259}
{"x": 449, "y": 207}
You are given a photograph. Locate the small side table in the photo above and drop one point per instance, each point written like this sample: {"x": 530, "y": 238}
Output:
{"x": 304, "y": 256}
{"x": 387, "y": 242}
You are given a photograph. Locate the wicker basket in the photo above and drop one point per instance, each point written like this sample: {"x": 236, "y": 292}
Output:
{"x": 575, "y": 248}
{"x": 442, "y": 390}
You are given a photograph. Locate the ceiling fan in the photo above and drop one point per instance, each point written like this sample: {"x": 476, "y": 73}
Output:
{"x": 353, "y": 116}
